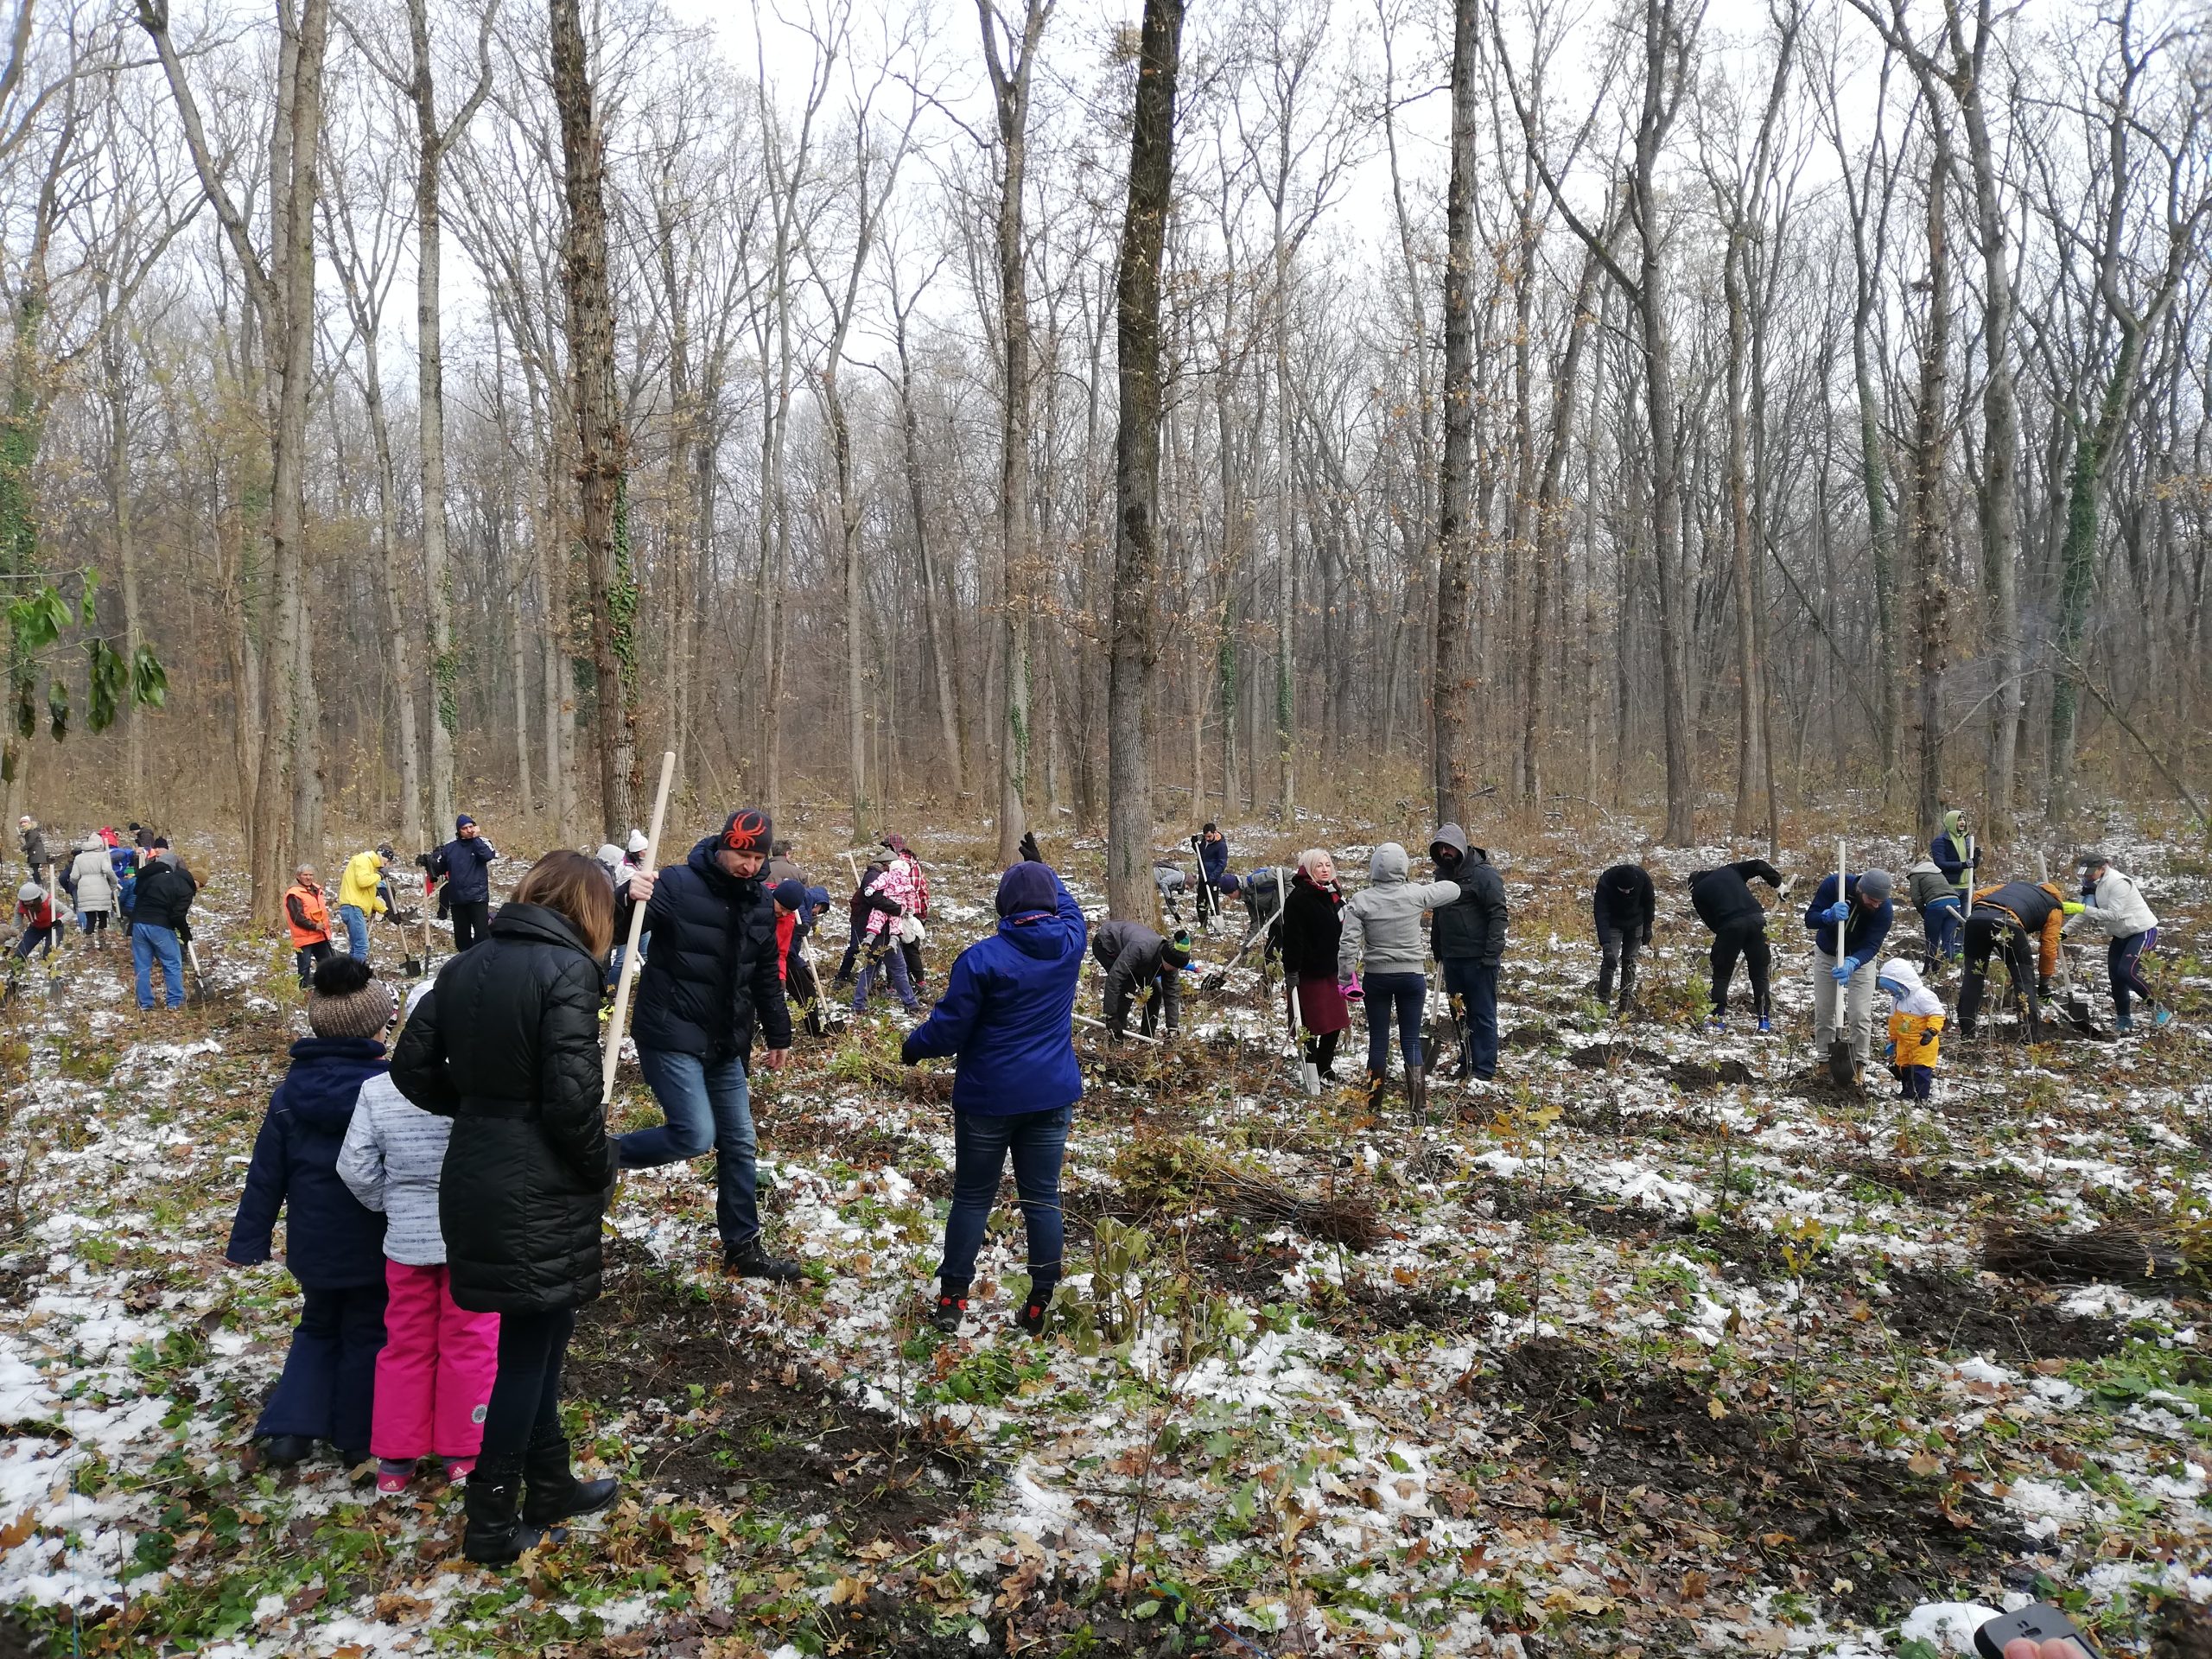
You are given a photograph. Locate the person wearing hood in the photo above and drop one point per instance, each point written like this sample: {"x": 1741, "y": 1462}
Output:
{"x": 507, "y": 1045}
{"x": 92, "y": 880}
{"x": 1623, "y": 906}
{"x": 1725, "y": 902}
{"x": 1468, "y": 936}
{"x": 360, "y": 896}
{"x": 333, "y": 1245}
{"x": 2019, "y": 911}
{"x": 1312, "y": 927}
{"x": 1952, "y": 854}
{"x": 1938, "y": 903}
{"x": 2114, "y": 906}
{"x": 1915, "y": 1028}
{"x": 1843, "y": 968}
{"x": 1006, "y": 1015}
{"x": 1381, "y": 945}
{"x": 709, "y": 985}
{"x": 1137, "y": 959}
{"x": 465, "y": 862}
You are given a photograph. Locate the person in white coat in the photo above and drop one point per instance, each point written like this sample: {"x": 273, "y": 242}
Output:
{"x": 2114, "y": 904}
{"x": 94, "y": 881}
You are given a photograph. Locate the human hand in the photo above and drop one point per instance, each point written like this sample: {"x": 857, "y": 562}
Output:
{"x": 1647, "y": 937}
{"x": 1029, "y": 852}
{"x": 1838, "y": 911}
{"x": 641, "y": 885}
{"x": 1842, "y": 971}
{"x": 774, "y": 1060}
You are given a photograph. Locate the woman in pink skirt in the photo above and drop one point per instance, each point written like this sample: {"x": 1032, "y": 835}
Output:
{"x": 1312, "y": 920}
{"x": 433, "y": 1376}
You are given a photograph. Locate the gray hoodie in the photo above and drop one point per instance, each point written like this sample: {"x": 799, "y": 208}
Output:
{"x": 1382, "y": 921}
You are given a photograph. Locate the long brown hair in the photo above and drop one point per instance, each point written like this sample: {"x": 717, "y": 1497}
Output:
{"x": 574, "y": 888}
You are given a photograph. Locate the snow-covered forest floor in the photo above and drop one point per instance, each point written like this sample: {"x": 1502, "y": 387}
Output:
{"x": 1660, "y": 1343}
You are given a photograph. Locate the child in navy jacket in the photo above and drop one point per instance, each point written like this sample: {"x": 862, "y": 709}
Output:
{"x": 333, "y": 1243}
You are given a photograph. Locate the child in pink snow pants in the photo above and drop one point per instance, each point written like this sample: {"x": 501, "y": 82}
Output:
{"x": 433, "y": 1376}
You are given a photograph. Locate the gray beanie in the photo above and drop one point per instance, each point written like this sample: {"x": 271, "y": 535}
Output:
{"x": 1876, "y": 885}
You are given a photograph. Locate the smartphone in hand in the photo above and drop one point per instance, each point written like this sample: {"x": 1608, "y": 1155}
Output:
{"x": 2040, "y": 1631}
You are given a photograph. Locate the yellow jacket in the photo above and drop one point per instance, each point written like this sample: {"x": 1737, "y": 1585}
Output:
{"x": 357, "y": 887}
{"x": 1917, "y": 1038}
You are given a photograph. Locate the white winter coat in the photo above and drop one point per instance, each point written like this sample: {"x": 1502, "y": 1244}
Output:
{"x": 2118, "y": 907}
{"x": 1382, "y": 920}
{"x": 391, "y": 1160}
{"x": 95, "y": 879}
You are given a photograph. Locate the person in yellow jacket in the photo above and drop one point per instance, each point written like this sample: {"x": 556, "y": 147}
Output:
{"x": 1915, "y": 1028}
{"x": 358, "y": 897}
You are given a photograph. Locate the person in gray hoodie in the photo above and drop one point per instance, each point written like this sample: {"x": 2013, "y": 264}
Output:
{"x": 1381, "y": 945}
{"x": 1469, "y": 937}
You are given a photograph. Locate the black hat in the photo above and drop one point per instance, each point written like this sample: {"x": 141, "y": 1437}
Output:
{"x": 748, "y": 830}
{"x": 1177, "y": 951}
{"x": 791, "y": 894}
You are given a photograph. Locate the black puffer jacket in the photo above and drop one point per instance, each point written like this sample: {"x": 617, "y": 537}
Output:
{"x": 1723, "y": 898}
{"x": 166, "y": 890}
{"x": 1312, "y": 927}
{"x": 1626, "y": 900}
{"x": 1473, "y": 924}
{"x": 507, "y": 1047}
{"x": 710, "y": 977}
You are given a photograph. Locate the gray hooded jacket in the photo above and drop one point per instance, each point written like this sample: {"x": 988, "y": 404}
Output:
{"x": 1382, "y": 921}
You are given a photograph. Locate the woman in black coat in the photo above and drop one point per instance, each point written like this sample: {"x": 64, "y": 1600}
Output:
{"x": 1312, "y": 923}
{"x": 507, "y": 1045}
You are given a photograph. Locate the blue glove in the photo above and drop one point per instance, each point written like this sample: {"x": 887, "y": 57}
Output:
{"x": 1843, "y": 971}
{"x": 1838, "y": 909}
{"x": 1889, "y": 1054}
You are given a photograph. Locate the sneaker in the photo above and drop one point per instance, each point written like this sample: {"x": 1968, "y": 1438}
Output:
{"x": 1766, "y": 1026}
{"x": 459, "y": 1469}
{"x": 1716, "y": 1023}
{"x": 947, "y": 1311}
{"x": 1031, "y": 1317}
{"x": 751, "y": 1259}
{"x": 392, "y": 1476}
{"x": 2123, "y": 1023}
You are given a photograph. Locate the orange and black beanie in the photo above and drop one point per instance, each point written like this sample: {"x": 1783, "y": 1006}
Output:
{"x": 748, "y": 831}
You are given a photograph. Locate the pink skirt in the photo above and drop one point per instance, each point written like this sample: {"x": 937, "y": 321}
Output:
{"x": 1321, "y": 1006}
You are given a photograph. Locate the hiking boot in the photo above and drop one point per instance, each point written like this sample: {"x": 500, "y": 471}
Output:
{"x": 751, "y": 1259}
{"x": 495, "y": 1535}
{"x": 1417, "y": 1094}
{"x": 950, "y": 1308}
{"x": 552, "y": 1492}
{"x": 1766, "y": 1026}
{"x": 283, "y": 1451}
{"x": 1031, "y": 1319}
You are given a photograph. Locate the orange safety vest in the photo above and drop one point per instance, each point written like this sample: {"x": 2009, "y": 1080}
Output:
{"x": 315, "y": 908}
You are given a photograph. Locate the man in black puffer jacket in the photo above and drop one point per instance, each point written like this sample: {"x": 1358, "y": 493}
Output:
{"x": 710, "y": 982}
{"x": 1725, "y": 902}
{"x": 1468, "y": 936}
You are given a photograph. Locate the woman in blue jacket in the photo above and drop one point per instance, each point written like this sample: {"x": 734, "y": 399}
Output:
{"x": 1007, "y": 1012}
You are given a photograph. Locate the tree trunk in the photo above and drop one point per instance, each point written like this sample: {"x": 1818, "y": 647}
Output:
{"x": 603, "y": 519}
{"x": 1750, "y": 767}
{"x": 1134, "y": 649}
{"x": 1931, "y": 419}
{"x": 1451, "y": 711}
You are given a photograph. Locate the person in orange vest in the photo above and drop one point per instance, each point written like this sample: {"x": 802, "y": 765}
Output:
{"x": 306, "y": 913}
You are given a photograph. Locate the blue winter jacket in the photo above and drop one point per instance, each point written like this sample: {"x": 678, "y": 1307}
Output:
{"x": 1008, "y": 1012}
{"x": 466, "y": 863}
{"x": 1213, "y": 859}
{"x": 331, "y": 1241}
{"x": 1862, "y": 934}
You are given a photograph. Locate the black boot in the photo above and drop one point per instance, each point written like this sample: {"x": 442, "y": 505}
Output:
{"x": 751, "y": 1259}
{"x": 495, "y": 1535}
{"x": 552, "y": 1493}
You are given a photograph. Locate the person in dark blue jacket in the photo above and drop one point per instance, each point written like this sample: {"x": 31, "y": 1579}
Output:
{"x": 333, "y": 1245}
{"x": 1007, "y": 1012}
{"x": 1844, "y": 973}
{"x": 1214, "y": 879}
{"x": 466, "y": 863}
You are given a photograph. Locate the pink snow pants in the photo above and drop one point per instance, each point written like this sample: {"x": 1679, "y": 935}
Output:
{"x": 434, "y": 1376}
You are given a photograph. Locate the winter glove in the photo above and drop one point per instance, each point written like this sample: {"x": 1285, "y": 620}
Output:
{"x": 1647, "y": 937}
{"x": 2073, "y": 910}
{"x": 1029, "y": 852}
{"x": 1843, "y": 971}
{"x": 1348, "y": 987}
{"x": 1926, "y": 1038}
{"x": 1838, "y": 911}
{"x": 1890, "y": 1055}
{"x": 907, "y": 1054}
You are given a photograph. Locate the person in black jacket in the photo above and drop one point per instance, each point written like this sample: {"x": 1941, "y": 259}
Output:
{"x": 466, "y": 863}
{"x": 1468, "y": 936}
{"x": 159, "y": 924}
{"x": 1312, "y": 927}
{"x": 1724, "y": 902}
{"x": 857, "y": 909}
{"x": 506, "y": 1045}
{"x": 1623, "y": 906}
{"x": 709, "y": 983}
{"x": 332, "y": 1244}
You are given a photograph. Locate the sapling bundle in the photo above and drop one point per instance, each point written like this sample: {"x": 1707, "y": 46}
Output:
{"x": 2115, "y": 1256}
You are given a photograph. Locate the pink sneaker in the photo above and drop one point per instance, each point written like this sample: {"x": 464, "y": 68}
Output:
{"x": 458, "y": 1470}
{"x": 392, "y": 1476}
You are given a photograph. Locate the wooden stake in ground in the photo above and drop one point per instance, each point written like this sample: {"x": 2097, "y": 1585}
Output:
{"x": 614, "y": 1056}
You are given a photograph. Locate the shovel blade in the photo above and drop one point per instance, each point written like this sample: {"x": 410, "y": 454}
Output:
{"x": 1840, "y": 1070}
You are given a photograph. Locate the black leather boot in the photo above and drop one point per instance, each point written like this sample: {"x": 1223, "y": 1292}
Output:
{"x": 552, "y": 1492}
{"x": 495, "y": 1536}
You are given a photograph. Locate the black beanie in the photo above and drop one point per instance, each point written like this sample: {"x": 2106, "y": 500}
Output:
{"x": 1177, "y": 951}
{"x": 748, "y": 830}
{"x": 791, "y": 894}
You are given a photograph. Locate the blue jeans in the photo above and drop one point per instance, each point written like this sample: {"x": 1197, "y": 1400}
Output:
{"x": 1942, "y": 923}
{"x": 885, "y": 954}
{"x": 1407, "y": 993}
{"x": 1476, "y": 984}
{"x": 357, "y": 931}
{"x": 707, "y": 1104}
{"x": 980, "y": 1142}
{"x": 146, "y": 942}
